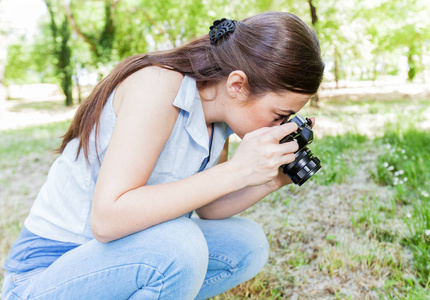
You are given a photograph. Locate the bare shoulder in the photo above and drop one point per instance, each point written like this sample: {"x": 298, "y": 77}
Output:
{"x": 154, "y": 78}
{"x": 148, "y": 83}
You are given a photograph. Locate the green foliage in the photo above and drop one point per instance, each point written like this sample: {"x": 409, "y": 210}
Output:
{"x": 29, "y": 63}
{"x": 60, "y": 32}
{"x": 360, "y": 39}
{"x": 16, "y": 58}
{"x": 404, "y": 163}
{"x": 340, "y": 157}
{"x": 400, "y": 26}
{"x": 404, "y": 166}
{"x": 98, "y": 34}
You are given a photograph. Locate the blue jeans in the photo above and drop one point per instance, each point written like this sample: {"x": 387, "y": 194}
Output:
{"x": 179, "y": 259}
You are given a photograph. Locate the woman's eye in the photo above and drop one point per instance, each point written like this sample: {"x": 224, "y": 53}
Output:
{"x": 281, "y": 117}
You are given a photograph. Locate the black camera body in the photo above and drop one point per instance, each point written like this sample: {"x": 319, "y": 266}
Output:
{"x": 306, "y": 164}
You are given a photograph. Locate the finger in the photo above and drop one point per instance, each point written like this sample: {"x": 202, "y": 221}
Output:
{"x": 260, "y": 131}
{"x": 313, "y": 121}
{"x": 277, "y": 133}
{"x": 287, "y": 148}
{"x": 287, "y": 159}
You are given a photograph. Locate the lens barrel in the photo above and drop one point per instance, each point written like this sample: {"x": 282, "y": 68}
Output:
{"x": 303, "y": 167}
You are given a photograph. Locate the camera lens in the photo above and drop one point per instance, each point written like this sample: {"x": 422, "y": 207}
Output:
{"x": 303, "y": 167}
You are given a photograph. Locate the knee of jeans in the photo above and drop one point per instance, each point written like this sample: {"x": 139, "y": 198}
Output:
{"x": 256, "y": 248}
{"x": 255, "y": 232}
{"x": 189, "y": 249}
{"x": 178, "y": 249}
{"x": 251, "y": 247}
{"x": 255, "y": 260}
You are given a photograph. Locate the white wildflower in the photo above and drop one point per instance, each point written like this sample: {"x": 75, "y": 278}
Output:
{"x": 388, "y": 146}
{"x": 427, "y": 232}
{"x": 425, "y": 194}
{"x": 405, "y": 179}
{"x": 408, "y": 215}
{"x": 390, "y": 168}
{"x": 403, "y": 151}
{"x": 405, "y": 157}
{"x": 385, "y": 164}
{"x": 401, "y": 172}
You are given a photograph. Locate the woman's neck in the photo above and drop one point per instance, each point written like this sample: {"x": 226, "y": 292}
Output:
{"x": 213, "y": 99}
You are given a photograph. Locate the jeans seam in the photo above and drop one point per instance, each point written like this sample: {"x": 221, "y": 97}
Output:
{"x": 86, "y": 275}
{"x": 224, "y": 259}
{"x": 23, "y": 276}
{"x": 16, "y": 296}
{"x": 230, "y": 271}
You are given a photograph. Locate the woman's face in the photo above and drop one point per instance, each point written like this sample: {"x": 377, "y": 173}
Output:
{"x": 264, "y": 111}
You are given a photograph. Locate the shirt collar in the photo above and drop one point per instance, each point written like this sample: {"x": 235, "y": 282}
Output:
{"x": 188, "y": 99}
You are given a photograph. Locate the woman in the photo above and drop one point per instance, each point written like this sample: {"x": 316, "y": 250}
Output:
{"x": 148, "y": 147}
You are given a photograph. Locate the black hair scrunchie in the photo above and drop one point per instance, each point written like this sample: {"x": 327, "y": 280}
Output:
{"x": 221, "y": 28}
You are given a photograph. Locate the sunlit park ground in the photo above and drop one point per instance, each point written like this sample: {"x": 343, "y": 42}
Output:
{"x": 359, "y": 229}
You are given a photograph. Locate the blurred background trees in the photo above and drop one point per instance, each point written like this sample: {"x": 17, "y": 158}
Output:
{"x": 360, "y": 39}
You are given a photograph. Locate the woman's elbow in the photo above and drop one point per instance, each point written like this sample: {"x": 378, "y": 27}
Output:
{"x": 101, "y": 229}
{"x": 99, "y": 232}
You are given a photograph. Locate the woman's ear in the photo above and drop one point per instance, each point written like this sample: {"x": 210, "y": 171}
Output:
{"x": 237, "y": 83}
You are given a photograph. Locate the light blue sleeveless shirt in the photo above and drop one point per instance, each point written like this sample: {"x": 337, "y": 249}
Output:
{"x": 62, "y": 208}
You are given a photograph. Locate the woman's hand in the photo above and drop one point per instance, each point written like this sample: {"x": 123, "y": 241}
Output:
{"x": 282, "y": 179}
{"x": 260, "y": 155}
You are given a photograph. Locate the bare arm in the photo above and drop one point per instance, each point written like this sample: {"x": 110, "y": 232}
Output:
{"x": 123, "y": 204}
{"x": 240, "y": 200}
{"x": 237, "y": 202}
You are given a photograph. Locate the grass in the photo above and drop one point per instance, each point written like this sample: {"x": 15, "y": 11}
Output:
{"x": 358, "y": 229}
{"x": 341, "y": 155}
{"x": 404, "y": 166}
{"x": 25, "y": 157}
{"x": 29, "y": 141}
{"x": 390, "y": 228}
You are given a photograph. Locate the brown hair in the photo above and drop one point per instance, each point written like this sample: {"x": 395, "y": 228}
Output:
{"x": 277, "y": 51}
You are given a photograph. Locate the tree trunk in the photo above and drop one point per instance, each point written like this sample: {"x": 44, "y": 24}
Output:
{"x": 315, "y": 98}
{"x": 336, "y": 67}
{"x": 63, "y": 52}
{"x": 313, "y": 10}
{"x": 413, "y": 68}
{"x": 65, "y": 63}
{"x": 375, "y": 72}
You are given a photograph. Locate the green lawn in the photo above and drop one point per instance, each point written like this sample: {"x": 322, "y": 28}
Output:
{"x": 359, "y": 229}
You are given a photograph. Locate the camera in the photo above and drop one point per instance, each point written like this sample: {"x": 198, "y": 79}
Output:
{"x": 306, "y": 164}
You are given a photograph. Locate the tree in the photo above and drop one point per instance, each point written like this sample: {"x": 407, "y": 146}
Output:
{"x": 314, "y": 17}
{"x": 100, "y": 38}
{"x": 62, "y": 51}
{"x": 396, "y": 26}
